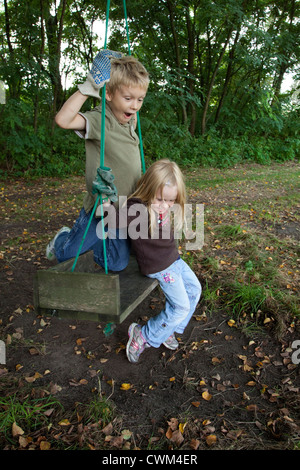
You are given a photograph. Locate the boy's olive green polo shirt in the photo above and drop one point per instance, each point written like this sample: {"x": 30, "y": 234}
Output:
{"x": 121, "y": 153}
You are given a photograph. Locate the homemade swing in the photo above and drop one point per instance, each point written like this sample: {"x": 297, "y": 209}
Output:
{"x": 80, "y": 289}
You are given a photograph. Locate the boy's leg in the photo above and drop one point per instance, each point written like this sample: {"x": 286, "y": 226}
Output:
{"x": 117, "y": 253}
{"x": 158, "y": 329}
{"x": 67, "y": 243}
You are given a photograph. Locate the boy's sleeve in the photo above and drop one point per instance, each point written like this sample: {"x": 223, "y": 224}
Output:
{"x": 93, "y": 124}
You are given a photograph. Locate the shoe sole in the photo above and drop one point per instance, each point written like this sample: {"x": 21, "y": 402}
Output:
{"x": 172, "y": 349}
{"x": 130, "y": 334}
{"x": 49, "y": 253}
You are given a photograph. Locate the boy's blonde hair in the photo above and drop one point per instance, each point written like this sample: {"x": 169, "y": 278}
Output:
{"x": 161, "y": 173}
{"x": 127, "y": 71}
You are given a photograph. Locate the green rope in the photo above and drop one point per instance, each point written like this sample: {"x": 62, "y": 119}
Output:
{"x": 137, "y": 114}
{"x": 84, "y": 235}
{"x": 102, "y": 147}
{"x": 127, "y": 29}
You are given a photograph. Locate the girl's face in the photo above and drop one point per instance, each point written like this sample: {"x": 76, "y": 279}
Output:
{"x": 164, "y": 199}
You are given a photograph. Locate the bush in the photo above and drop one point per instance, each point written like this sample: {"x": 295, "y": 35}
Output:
{"x": 40, "y": 153}
{"x": 59, "y": 153}
{"x": 213, "y": 150}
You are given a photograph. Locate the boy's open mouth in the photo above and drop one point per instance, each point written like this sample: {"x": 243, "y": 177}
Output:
{"x": 128, "y": 115}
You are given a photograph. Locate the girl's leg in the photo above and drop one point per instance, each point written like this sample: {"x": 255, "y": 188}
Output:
{"x": 177, "y": 308}
{"x": 193, "y": 289}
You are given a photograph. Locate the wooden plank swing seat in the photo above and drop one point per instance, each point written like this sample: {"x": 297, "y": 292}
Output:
{"x": 89, "y": 293}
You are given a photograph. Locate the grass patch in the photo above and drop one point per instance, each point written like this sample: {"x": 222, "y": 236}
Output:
{"x": 20, "y": 415}
{"x": 249, "y": 263}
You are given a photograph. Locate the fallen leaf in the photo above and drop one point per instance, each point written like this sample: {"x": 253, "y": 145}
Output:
{"x": 33, "y": 378}
{"x": 181, "y": 427}
{"x": 206, "y": 422}
{"x": 207, "y": 396}
{"x": 116, "y": 441}
{"x": 194, "y": 444}
{"x": 216, "y": 360}
{"x": 169, "y": 433}
{"x": 16, "y": 430}
{"x": 107, "y": 430}
{"x": 173, "y": 424}
{"x": 23, "y": 441}
{"x": 211, "y": 439}
{"x": 55, "y": 388}
{"x": 177, "y": 437}
{"x": 196, "y": 403}
{"x": 45, "y": 445}
{"x": 126, "y": 434}
{"x": 125, "y": 386}
{"x": 33, "y": 351}
{"x": 64, "y": 422}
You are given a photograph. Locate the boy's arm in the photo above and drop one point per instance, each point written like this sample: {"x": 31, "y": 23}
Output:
{"x": 68, "y": 117}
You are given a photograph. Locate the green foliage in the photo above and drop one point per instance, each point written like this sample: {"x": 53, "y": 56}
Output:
{"x": 216, "y": 74}
{"x": 217, "y": 151}
{"x": 40, "y": 153}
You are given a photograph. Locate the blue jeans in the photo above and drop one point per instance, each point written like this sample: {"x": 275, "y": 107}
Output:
{"x": 117, "y": 250}
{"x": 182, "y": 290}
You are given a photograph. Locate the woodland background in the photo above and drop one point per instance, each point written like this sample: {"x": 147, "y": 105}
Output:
{"x": 217, "y": 71}
{"x": 218, "y": 99}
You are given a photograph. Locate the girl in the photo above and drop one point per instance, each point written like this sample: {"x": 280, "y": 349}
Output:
{"x": 161, "y": 191}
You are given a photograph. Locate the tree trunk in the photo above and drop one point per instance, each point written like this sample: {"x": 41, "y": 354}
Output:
{"x": 228, "y": 76}
{"x": 190, "y": 81}
{"x": 54, "y": 27}
{"x": 42, "y": 49}
{"x": 284, "y": 65}
{"x": 177, "y": 54}
{"x": 14, "y": 81}
{"x": 211, "y": 83}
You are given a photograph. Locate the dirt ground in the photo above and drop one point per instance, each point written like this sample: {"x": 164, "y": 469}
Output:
{"x": 219, "y": 390}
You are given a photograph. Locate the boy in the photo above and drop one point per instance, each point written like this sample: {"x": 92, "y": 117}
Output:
{"x": 126, "y": 89}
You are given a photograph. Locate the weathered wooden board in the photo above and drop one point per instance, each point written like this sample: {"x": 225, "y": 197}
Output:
{"x": 88, "y": 293}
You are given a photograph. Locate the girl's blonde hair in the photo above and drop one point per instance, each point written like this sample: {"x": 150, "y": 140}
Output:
{"x": 161, "y": 173}
{"x": 127, "y": 71}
